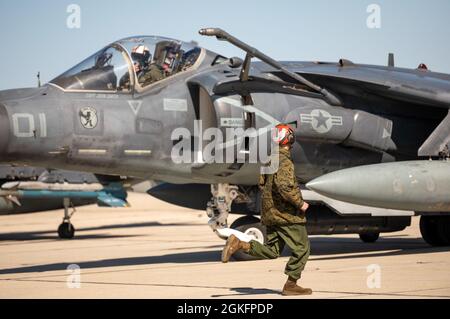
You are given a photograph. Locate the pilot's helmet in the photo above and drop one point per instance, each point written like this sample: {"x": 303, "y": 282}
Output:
{"x": 141, "y": 54}
{"x": 172, "y": 52}
{"x": 284, "y": 135}
{"x": 168, "y": 61}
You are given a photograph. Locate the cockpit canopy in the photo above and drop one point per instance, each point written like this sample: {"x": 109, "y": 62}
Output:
{"x": 135, "y": 62}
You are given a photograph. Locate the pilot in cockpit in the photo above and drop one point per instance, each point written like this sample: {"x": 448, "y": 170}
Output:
{"x": 152, "y": 74}
{"x": 168, "y": 59}
{"x": 141, "y": 58}
{"x": 166, "y": 56}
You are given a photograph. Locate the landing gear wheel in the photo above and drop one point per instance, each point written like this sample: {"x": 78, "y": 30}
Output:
{"x": 369, "y": 237}
{"x": 435, "y": 230}
{"x": 251, "y": 226}
{"x": 66, "y": 231}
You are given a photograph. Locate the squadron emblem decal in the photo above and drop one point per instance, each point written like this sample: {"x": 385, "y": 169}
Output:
{"x": 88, "y": 117}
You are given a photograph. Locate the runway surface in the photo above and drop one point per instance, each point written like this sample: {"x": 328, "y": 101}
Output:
{"x": 154, "y": 250}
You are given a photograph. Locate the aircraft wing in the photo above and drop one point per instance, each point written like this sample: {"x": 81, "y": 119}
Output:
{"x": 412, "y": 86}
{"x": 418, "y": 89}
{"x": 404, "y": 85}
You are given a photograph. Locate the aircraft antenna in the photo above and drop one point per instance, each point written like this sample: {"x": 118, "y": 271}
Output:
{"x": 391, "y": 60}
{"x": 39, "y": 79}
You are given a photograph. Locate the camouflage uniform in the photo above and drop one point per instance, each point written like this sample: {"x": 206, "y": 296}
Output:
{"x": 152, "y": 75}
{"x": 281, "y": 202}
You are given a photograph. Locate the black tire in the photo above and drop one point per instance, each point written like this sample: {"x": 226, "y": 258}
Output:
{"x": 445, "y": 229}
{"x": 369, "y": 237}
{"x": 66, "y": 231}
{"x": 246, "y": 224}
{"x": 435, "y": 230}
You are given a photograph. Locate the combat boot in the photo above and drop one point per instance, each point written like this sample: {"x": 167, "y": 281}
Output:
{"x": 292, "y": 289}
{"x": 232, "y": 246}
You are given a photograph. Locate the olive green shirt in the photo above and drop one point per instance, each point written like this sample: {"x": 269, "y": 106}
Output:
{"x": 152, "y": 75}
{"x": 281, "y": 196}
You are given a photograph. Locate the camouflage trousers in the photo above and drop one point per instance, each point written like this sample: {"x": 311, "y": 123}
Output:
{"x": 295, "y": 236}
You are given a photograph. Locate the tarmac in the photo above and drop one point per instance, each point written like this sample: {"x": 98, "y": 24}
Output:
{"x": 155, "y": 250}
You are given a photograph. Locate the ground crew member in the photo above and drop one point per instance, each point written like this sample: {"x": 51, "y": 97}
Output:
{"x": 283, "y": 213}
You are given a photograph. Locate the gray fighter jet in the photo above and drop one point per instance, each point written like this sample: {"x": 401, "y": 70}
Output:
{"x": 31, "y": 189}
{"x": 127, "y": 109}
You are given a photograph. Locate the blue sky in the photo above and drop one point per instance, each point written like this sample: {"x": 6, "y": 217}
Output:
{"x": 35, "y": 36}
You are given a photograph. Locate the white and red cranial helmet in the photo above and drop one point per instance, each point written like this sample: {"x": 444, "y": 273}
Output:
{"x": 284, "y": 135}
{"x": 140, "y": 49}
{"x": 141, "y": 54}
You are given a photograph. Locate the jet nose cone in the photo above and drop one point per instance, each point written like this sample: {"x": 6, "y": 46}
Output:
{"x": 326, "y": 184}
{"x": 4, "y": 131}
{"x": 313, "y": 185}
{"x": 318, "y": 184}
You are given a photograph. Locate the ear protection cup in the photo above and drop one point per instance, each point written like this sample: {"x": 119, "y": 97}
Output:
{"x": 291, "y": 137}
{"x": 284, "y": 135}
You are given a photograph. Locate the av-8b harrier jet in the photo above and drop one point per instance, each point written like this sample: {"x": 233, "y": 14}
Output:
{"x": 372, "y": 140}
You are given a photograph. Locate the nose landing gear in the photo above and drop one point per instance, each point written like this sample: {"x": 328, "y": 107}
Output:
{"x": 219, "y": 206}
